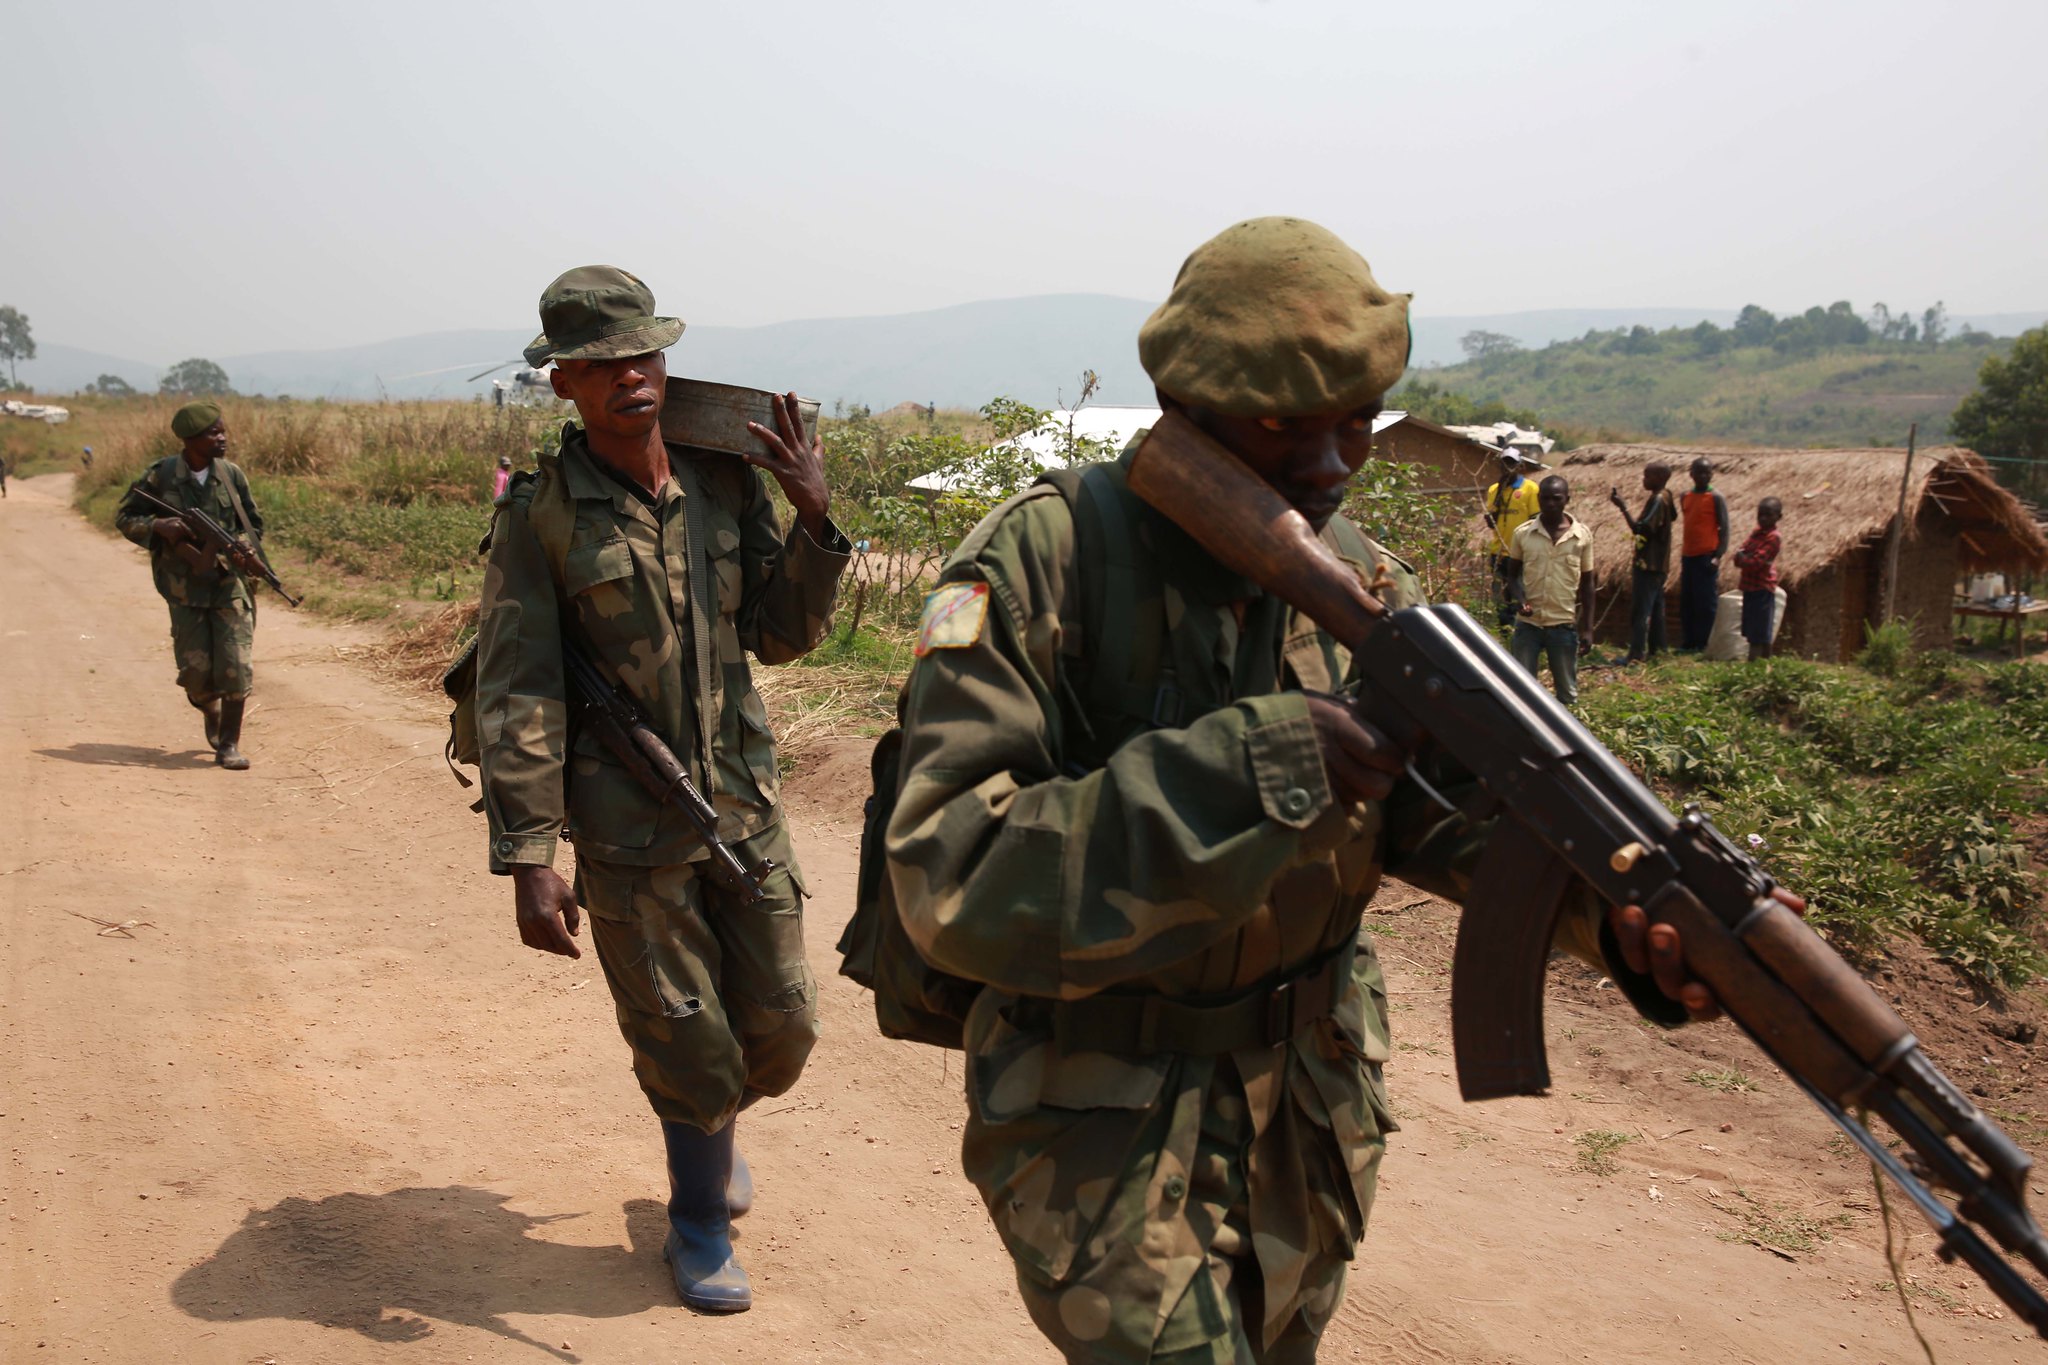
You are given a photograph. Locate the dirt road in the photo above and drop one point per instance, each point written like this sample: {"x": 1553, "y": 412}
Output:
{"x": 317, "y": 1104}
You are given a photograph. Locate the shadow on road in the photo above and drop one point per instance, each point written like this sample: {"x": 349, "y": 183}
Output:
{"x": 131, "y": 756}
{"x": 389, "y": 1265}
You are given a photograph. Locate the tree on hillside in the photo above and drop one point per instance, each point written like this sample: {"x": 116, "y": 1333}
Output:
{"x": 111, "y": 386}
{"x": 1887, "y": 326}
{"x": 1934, "y": 324}
{"x": 1710, "y": 339}
{"x": 15, "y": 342}
{"x": 195, "y": 378}
{"x": 1482, "y": 345}
{"x": 1753, "y": 326}
{"x": 2006, "y": 418}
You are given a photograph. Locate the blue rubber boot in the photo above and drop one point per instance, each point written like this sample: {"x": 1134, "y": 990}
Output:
{"x": 699, "y": 1247}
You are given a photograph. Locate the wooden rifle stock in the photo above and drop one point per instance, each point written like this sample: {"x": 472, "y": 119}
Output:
{"x": 1236, "y": 516}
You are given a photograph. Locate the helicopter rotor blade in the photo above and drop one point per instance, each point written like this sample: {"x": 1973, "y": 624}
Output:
{"x": 445, "y": 369}
{"x": 493, "y": 370}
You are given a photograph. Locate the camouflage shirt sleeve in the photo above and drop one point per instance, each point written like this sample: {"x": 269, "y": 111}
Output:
{"x": 134, "y": 518}
{"x": 792, "y": 584}
{"x": 522, "y": 716}
{"x": 1008, "y": 871}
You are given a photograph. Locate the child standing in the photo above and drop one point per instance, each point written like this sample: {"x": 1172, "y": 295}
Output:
{"x": 1758, "y": 560}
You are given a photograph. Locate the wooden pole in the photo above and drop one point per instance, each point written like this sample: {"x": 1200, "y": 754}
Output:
{"x": 1891, "y": 553}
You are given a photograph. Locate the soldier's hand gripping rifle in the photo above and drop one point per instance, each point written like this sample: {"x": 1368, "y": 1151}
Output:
{"x": 209, "y": 541}
{"x": 624, "y": 729}
{"x": 1567, "y": 808}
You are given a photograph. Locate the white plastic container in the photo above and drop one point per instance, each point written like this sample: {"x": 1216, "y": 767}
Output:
{"x": 1727, "y": 643}
{"x": 1986, "y": 587}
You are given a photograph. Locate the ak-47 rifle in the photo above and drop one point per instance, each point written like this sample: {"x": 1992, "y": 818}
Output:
{"x": 624, "y": 729}
{"x": 211, "y": 542}
{"x": 1567, "y": 808}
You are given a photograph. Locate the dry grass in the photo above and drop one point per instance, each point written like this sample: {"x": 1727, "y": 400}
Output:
{"x": 419, "y": 652}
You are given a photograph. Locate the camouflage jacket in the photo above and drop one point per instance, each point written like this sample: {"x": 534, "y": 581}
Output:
{"x": 1198, "y": 862}
{"x": 667, "y": 599}
{"x": 171, "y": 479}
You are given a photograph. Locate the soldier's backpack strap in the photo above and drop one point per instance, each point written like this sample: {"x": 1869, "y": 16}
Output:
{"x": 551, "y": 513}
{"x": 1115, "y": 623}
{"x": 552, "y": 524}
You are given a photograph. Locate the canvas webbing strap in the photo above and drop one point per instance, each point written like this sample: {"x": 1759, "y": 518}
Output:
{"x": 1145, "y": 1025}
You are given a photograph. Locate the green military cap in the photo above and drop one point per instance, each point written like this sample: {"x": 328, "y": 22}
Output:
{"x": 599, "y": 312}
{"x": 1276, "y": 317}
{"x": 193, "y": 418}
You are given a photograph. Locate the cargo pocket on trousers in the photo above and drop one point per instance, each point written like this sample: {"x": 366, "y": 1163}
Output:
{"x": 625, "y": 924}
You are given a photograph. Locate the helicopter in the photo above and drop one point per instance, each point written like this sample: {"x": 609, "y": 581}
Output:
{"x": 525, "y": 387}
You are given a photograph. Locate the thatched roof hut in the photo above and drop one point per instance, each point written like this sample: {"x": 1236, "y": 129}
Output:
{"x": 1839, "y": 510}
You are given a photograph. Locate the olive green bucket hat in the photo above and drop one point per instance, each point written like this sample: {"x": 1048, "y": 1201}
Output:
{"x": 599, "y": 312}
{"x": 1276, "y": 317}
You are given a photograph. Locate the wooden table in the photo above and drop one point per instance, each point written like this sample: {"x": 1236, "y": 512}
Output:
{"x": 2016, "y": 615}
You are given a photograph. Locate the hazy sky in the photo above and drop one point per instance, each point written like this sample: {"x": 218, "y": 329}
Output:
{"x": 214, "y": 178}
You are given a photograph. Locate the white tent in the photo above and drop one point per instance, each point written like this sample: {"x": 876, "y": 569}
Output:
{"x": 1114, "y": 425}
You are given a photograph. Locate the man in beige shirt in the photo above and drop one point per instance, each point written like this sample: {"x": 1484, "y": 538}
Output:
{"x": 1552, "y": 556}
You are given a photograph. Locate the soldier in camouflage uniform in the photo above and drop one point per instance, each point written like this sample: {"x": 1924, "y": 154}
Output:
{"x": 665, "y": 564}
{"x": 1176, "y": 1113}
{"x": 213, "y": 610}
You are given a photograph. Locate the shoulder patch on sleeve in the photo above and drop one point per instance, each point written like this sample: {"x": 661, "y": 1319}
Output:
{"x": 953, "y": 618}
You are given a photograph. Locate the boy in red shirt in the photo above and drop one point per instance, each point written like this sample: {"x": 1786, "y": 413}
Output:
{"x": 1758, "y": 560}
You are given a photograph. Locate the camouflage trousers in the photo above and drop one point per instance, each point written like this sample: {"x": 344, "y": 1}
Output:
{"x": 1219, "y": 1318}
{"x": 715, "y": 998}
{"x": 215, "y": 649}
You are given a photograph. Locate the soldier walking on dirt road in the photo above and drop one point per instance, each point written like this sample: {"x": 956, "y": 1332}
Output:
{"x": 213, "y": 610}
{"x": 663, "y": 564}
{"x": 1133, "y": 808}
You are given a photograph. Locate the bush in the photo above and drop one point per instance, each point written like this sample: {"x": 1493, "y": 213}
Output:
{"x": 1889, "y": 797}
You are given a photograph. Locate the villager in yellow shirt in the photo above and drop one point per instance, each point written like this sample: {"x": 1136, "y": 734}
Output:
{"x": 1509, "y": 503}
{"x": 1552, "y": 560}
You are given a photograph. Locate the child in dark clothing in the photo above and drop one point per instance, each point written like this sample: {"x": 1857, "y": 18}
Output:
{"x": 1758, "y": 560}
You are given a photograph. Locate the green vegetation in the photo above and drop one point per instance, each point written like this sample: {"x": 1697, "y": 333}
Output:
{"x": 1897, "y": 797}
{"x": 195, "y": 378}
{"x": 1725, "y": 1080}
{"x": 372, "y": 505}
{"x": 1597, "y": 1149}
{"x": 17, "y": 342}
{"x": 1825, "y": 377}
{"x": 2006, "y": 419}
{"x": 1782, "y": 1227}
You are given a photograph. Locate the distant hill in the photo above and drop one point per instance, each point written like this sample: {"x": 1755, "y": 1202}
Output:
{"x": 1032, "y": 348}
{"x": 1671, "y": 385}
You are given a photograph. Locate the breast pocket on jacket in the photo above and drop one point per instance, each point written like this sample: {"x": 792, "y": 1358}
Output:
{"x": 597, "y": 577}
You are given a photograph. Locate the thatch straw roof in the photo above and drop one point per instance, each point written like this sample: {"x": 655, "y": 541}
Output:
{"x": 1835, "y": 501}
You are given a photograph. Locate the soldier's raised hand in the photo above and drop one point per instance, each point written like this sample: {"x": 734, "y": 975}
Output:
{"x": 797, "y": 460}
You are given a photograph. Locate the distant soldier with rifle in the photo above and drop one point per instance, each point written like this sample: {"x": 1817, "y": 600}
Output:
{"x": 194, "y": 514}
{"x": 627, "y": 579}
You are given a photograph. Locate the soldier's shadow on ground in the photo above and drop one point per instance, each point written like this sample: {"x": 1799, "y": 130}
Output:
{"x": 390, "y": 1265}
{"x": 131, "y": 756}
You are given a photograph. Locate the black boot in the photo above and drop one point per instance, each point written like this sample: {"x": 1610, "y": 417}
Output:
{"x": 739, "y": 1186}
{"x": 209, "y": 711}
{"x": 699, "y": 1247}
{"x": 225, "y": 753}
